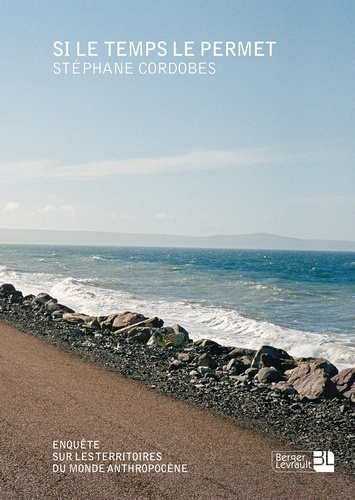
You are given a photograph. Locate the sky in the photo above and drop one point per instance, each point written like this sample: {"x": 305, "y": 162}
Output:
{"x": 225, "y": 143}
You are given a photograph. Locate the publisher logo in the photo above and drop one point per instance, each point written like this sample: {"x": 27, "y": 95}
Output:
{"x": 323, "y": 461}
{"x": 303, "y": 461}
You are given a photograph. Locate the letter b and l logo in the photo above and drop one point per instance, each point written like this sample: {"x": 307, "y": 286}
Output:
{"x": 323, "y": 461}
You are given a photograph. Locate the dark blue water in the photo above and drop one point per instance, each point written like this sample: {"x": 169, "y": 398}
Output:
{"x": 301, "y": 301}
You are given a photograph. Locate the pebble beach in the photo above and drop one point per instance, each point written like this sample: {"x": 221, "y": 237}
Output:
{"x": 253, "y": 388}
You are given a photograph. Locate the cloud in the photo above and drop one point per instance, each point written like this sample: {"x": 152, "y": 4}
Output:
{"x": 193, "y": 160}
{"x": 12, "y": 206}
{"x": 213, "y": 159}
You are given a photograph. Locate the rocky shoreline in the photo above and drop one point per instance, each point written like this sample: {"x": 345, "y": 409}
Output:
{"x": 303, "y": 402}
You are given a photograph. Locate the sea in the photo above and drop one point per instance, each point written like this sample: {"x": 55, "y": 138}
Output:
{"x": 303, "y": 302}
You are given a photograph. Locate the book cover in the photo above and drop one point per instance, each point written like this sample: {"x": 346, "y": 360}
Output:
{"x": 177, "y": 249}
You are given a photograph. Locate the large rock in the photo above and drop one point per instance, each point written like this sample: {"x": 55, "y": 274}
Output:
{"x": 80, "y": 318}
{"x": 269, "y": 352}
{"x": 268, "y": 375}
{"x": 236, "y": 366}
{"x": 242, "y": 352}
{"x": 106, "y": 322}
{"x": 345, "y": 383}
{"x": 312, "y": 380}
{"x": 180, "y": 329}
{"x": 281, "y": 364}
{"x": 127, "y": 318}
{"x": 7, "y": 289}
{"x": 58, "y": 308}
{"x": 169, "y": 336}
{"x": 140, "y": 335}
{"x": 206, "y": 360}
{"x": 210, "y": 346}
{"x": 42, "y": 298}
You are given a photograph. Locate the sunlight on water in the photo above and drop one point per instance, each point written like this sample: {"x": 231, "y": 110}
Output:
{"x": 302, "y": 302}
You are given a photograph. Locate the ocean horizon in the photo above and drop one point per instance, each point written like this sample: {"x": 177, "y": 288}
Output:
{"x": 300, "y": 301}
{"x": 250, "y": 241}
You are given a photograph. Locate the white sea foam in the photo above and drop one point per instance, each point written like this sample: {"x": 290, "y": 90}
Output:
{"x": 226, "y": 326}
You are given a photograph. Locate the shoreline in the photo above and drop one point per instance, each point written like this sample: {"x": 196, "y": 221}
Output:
{"x": 53, "y": 400}
{"x": 325, "y": 423}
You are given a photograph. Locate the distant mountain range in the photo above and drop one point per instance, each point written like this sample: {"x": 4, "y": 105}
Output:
{"x": 257, "y": 241}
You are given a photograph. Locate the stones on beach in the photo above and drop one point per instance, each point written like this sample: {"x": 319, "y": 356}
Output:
{"x": 107, "y": 321}
{"x": 184, "y": 357}
{"x": 312, "y": 381}
{"x": 175, "y": 365}
{"x": 242, "y": 352}
{"x": 284, "y": 388}
{"x": 140, "y": 334}
{"x": 169, "y": 336}
{"x": 206, "y": 360}
{"x": 79, "y": 318}
{"x": 125, "y": 319}
{"x": 236, "y": 366}
{"x": 49, "y": 305}
{"x": 7, "y": 289}
{"x": 345, "y": 383}
{"x": 267, "y": 375}
{"x": 210, "y": 346}
{"x": 42, "y": 298}
{"x": 57, "y": 310}
{"x": 268, "y": 356}
{"x": 208, "y": 365}
{"x": 227, "y": 380}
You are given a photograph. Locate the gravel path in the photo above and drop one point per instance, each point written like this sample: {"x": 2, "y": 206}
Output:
{"x": 48, "y": 395}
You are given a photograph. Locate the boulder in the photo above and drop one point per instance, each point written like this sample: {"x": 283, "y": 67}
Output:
{"x": 92, "y": 322}
{"x": 140, "y": 334}
{"x": 107, "y": 321}
{"x": 28, "y": 300}
{"x": 7, "y": 289}
{"x": 206, "y": 360}
{"x": 149, "y": 323}
{"x": 241, "y": 352}
{"x": 79, "y": 318}
{"x": 125, "y": 319}
{"x": 236, "y": 366}
{"x": 165, "y": 337}
{"x": 210, "y": 346}
{"x": 312, "y": 380}
{"x": 281, "y": 364}
{"x": 275, "y": 353}
{"x": 53, "y": 306}
{"x": 42, "y": 298}
{"x": 180, "y": 329}
{"x": 230, "y": 365}
{"x": 268, "y": 375}
{"x": 345, "y": 383}
{"x": 326, "y": 365}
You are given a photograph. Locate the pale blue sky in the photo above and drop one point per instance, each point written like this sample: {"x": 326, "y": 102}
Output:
{"x": 266, "y": 144}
